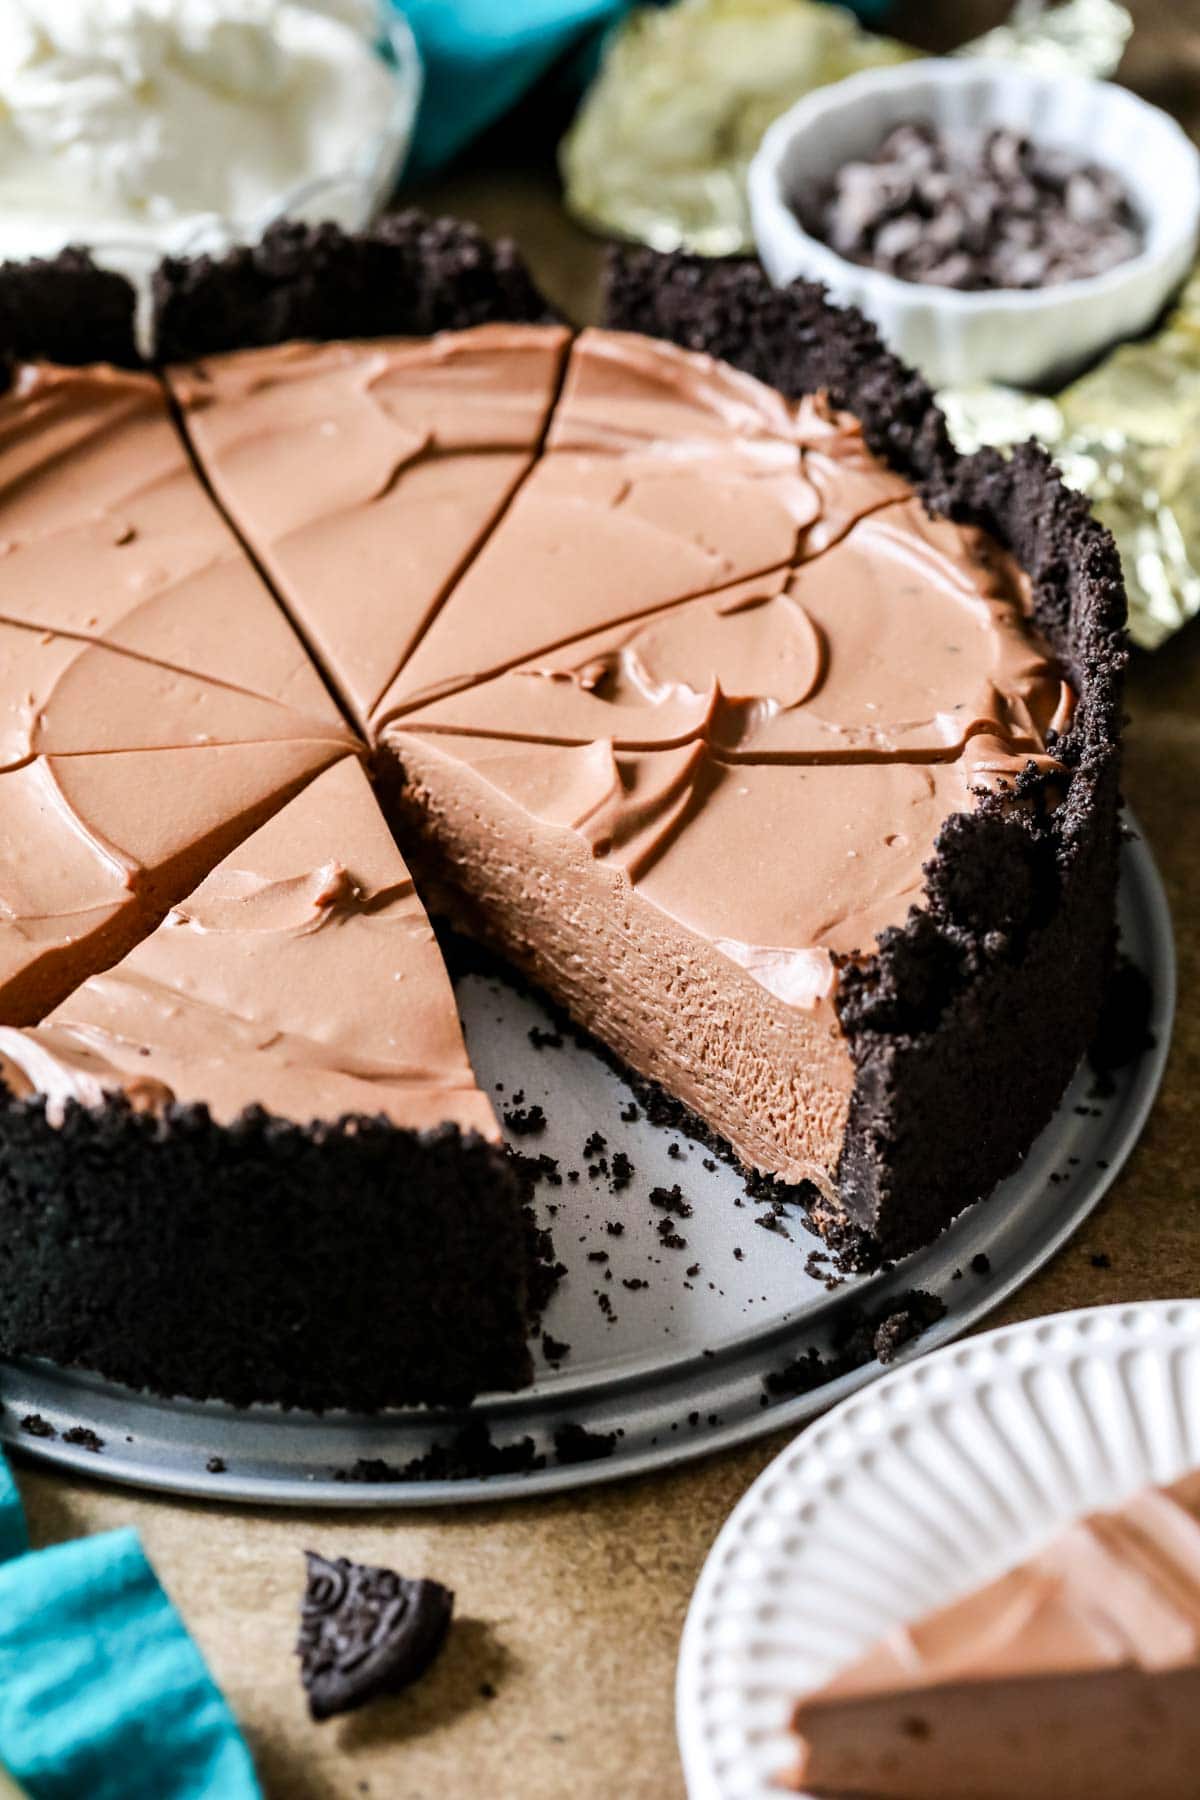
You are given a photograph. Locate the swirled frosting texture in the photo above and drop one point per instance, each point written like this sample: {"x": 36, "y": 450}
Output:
{"x": 155, "y": 703}
{"x": 301, "y": 975}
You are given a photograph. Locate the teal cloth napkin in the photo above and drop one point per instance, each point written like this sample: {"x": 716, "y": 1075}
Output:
{"x": 481, "y": 56}
{"x": 103, "y": 1695}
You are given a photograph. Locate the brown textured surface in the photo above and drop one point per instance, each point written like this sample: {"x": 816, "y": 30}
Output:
{"x": 571, "y": 1609}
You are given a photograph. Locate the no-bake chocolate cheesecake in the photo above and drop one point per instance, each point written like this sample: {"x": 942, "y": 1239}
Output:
{"x": 773, "y": 739}
{"x": 1075, "y": 1676}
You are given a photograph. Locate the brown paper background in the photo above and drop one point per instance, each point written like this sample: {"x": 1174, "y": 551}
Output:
{"x": 571, "y": 1608}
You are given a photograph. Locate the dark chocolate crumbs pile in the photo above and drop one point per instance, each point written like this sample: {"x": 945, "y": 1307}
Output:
{"x": 85, "y": 1437}
{"x": 671, "y": 1200}
{"x": 621, "y": 1171}
{"x": 864, "y": 1337}
{"x": 525, "y": 1121}
{"x": 36, "y": 1426}
{"x": 469, "y": 1455}
{"x": 573, "y": 1443}
{"x": 365, "y": 1632}
{"x": 974, "y": 210}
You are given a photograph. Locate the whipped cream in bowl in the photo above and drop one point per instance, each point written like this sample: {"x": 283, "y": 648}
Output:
{"x": 143, "y": 127}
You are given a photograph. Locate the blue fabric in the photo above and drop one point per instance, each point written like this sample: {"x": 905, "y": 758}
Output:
{"x": 480, "y": 56}
{"x": 14, "y": 1540}
{"x": 103, "y": 1695}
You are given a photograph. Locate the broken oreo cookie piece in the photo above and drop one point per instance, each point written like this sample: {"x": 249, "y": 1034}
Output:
{"x": 974, "y": 210}
{"x": 365, "y": 1632}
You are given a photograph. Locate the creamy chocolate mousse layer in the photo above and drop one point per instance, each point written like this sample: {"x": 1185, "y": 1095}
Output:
{"x": 365, "y": 476}
{"x": 155, "y": 704}
{"x": 665, "y": 476}
{"x": 1076, "y": 1676}
{"x": 108, "y": 535}
{"x": 301, "y": 974}
{"x": 95, "y": 848}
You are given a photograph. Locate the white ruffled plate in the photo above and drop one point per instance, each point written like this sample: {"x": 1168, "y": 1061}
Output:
{"x": 944, "y": 1474}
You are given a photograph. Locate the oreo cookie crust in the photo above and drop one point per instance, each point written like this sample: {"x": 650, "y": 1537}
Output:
{"x": 173, "y": 1253}
{"x": 350, "y": 1264}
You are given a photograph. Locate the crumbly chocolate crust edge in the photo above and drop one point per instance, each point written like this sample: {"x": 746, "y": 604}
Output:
{"x": 167, "y": 1251}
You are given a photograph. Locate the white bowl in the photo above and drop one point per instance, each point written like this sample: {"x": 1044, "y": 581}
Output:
{"x": 350, "y": 197}
{"x": 1023, "y": 336}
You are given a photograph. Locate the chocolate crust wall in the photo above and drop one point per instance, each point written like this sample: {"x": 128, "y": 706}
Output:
{"x": 980, "y": 1007}
{"x": 408, "y": 276}
{"x": 175, "y": 1254}
{"x": 66, "y": 310}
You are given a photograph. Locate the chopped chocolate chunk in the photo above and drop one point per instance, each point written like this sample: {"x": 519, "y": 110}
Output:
{"x": 597, "y": 1256}
{"x": 365, "y": 1632}
{"x": 669, "y": 1237}
{"x": 215, "y": 1465}
{"x": 675, "y": 1150}
{"x": 981, "y": 1263}
{"x": 614, "y": 1228}
{"x": 693, "y": 1269}
{"x": 554, "y": 1349}
{"x": 974, "y": 209}
{"x": 1101, "y": 1259}
{"x": 85, "y": 1437}
{"x": 545, "y": 1040}
{"x": 596, "y": 1144}
{"x": 573, "y": 1443}
{"x": 631, "y": 1113}
{"x": 36, "y": 1426}
{"x": 634, "y": 1282}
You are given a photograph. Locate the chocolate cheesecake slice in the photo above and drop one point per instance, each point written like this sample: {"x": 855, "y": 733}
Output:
{"x": 1076, "y": 1676}
{"x": 270, "y": 1098}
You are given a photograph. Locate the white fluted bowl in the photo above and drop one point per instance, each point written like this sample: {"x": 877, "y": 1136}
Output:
{"x": 1027, "y": 337}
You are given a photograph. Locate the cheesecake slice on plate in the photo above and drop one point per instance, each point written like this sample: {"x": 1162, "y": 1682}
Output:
{"x": 1075, "y": 1676}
